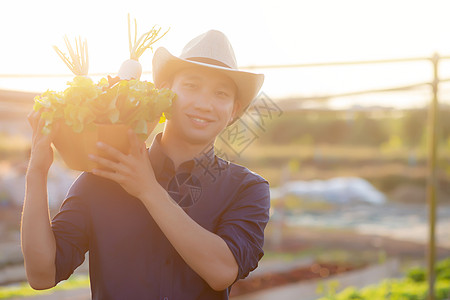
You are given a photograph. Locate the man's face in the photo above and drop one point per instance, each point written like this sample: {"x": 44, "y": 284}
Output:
{"x": 204, "y": 104}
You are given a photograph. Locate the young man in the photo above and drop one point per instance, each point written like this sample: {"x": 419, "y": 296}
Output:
{"x": 155, "y": 223}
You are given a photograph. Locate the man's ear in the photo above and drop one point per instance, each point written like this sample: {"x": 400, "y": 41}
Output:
{"x": 236, "y": 109}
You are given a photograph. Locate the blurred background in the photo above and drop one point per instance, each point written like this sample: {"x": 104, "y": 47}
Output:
{"x": 340, "y": 129}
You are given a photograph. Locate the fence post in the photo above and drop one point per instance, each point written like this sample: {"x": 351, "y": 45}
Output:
{"x": 432, "y": 181}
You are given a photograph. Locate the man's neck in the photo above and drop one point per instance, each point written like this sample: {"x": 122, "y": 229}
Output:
{"x": 179, "y": 150}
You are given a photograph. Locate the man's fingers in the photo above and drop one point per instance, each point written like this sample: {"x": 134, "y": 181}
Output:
{"x": 30, "y": 116}
{"x": 108, "y": 175}
{"x": 105, "y": 162}
{"x": 54, "y": 130}
{"x": 136, "y": 144}
{"x": 153, "y": 124}
{"x": 33, "y": 118}
{"x": 41, "y": 124}
{"x": 112, "y": 152}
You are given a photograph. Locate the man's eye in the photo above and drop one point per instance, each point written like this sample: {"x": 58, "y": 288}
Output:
{"x": 190, "y": 85}
{"x": 222, "y": 93}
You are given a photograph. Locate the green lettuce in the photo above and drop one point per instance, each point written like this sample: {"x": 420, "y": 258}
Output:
{"x": 84, "y": 103}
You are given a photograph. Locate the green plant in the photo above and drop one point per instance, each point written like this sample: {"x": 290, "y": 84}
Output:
{"x": 328, "y": 289}
{"x": 443, "y": 269}
{"x": 84, "y": 103}
{"x": 351, "y": 293}
{"x": 444, "y": 274}
{"x": 412, "y": 287}
{"x": 24, "y": 290}
{"x": 416, "y": 274}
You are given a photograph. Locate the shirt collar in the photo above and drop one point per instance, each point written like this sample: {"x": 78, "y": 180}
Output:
{"x": 161, "y": 161}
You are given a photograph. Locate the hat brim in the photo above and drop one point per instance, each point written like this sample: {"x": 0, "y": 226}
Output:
{"x": 248, "y": 84}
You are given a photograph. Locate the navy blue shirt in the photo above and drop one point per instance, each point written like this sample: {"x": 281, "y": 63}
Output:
{"x": 130, "y": 257}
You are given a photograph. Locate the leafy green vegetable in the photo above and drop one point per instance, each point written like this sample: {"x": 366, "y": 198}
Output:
{"x": 83, "y": 104}
{"x": 413, "y": 287}
{"x": 416, "y": 274}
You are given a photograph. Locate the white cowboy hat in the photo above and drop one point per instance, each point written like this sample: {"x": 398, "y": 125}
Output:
{"x": 212, "y": 50}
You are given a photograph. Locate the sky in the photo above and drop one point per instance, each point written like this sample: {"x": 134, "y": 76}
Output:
{"x": 261, "y": 32}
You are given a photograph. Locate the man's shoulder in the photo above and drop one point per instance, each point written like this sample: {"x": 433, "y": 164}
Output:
{"x": 87, "y": 183}
{"x": 241, "y": 172}
{"x": 84, "y": 179}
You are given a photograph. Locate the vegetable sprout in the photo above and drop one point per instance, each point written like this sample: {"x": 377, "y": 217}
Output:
{"x": 78, "y": 60}
{"x": 138, "y": 46}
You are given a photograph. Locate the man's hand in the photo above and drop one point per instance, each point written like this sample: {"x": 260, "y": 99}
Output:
{"x": 41, "y": 151}
{"x": 132, "y": 171}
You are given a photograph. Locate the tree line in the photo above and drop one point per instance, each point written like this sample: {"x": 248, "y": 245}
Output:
{"x": 351, "y": 127}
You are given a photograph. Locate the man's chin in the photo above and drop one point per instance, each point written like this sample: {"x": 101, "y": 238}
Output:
{"x": 193, "y": 136}
{"x": 200, "y": 140}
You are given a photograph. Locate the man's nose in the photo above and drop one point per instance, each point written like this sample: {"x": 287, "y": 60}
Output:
{"x": 203, "y": 101}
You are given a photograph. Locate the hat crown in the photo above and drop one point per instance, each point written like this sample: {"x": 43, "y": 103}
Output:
{"x": 212, "y": 47}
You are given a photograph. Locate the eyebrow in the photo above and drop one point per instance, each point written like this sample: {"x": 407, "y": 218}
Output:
{"x": 226, "y": 86}
{"x": 192, "y": 76}
{"x": 222, "y": 83}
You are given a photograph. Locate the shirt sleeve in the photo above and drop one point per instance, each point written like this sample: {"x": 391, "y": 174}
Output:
{"x": 70, "y": 228}
{"x": 242, "y": 226}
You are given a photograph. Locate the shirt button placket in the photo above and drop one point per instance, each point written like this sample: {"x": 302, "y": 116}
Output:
{"x": 167, "y": 286}
{"x": 168, "y": 265}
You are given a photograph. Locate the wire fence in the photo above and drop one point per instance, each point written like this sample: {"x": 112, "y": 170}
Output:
{"x": 400, "y": 88}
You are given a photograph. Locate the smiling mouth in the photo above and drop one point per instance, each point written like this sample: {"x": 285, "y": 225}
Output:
{"x": 199, "y": 120}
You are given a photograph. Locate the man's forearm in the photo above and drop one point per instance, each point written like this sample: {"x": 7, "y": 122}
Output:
{"x": 38, "y": 241}
{"x": 205, "y": 252}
